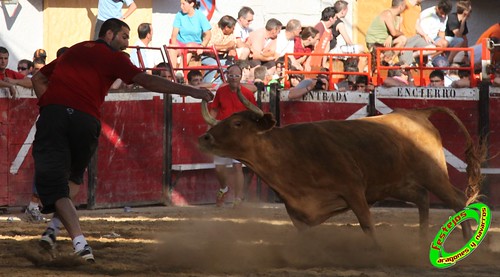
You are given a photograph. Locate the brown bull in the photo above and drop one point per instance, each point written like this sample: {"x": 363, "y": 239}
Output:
{"x": 323, "y": 168}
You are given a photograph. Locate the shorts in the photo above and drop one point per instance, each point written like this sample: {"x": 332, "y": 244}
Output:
{"x": 224, "y": 161}
{"x": 64, "y": 143}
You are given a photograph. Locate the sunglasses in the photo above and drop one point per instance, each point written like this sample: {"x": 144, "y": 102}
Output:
{"x": 21, "y": 68}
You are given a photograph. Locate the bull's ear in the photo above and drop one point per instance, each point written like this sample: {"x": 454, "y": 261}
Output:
{"x": 266, "y": 122}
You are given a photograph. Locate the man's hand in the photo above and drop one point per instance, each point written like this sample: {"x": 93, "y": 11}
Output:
{"x": 202, "y": 93}
{"x": 13, "y": 92}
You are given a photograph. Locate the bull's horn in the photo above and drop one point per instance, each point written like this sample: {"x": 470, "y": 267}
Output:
{"x": 206, "y": 114}
{"x": 249, "y": 104}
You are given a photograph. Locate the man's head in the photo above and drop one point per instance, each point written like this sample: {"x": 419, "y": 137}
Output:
{"x": 38, "y": 63}
{"x": 61, "y": 51}
{"x": 40, "y": 53}
{"x": 443, "y": 8}
{"x": 226, "y": 24}
{"x": 4, "y": 58}
{"x": 233, "y": 76}
{"x": 245, "y": 16}
{"x": 464, "y": 7}
{"x": 167, "y": 74}
{"x": 436, "y": 78}
{"x": 327, "y": 14}
{"x": 294, "y": 27}
{"x": 309, "y": 36}
{"x": 399, "y": 5}
{"x": 194, "y": 77}
{"x": 273, "y": 27}
{"x": 145, "y": 31}
{"x": 25, "y": 67}
{"x": 116, "y": 33}
{"x": 260, "y": 72}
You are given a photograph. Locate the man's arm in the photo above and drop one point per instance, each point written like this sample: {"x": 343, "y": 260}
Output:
{"x": 300, "y": 90}
{"x": 25, "y": 82}
{"x": 40, "y": 83}
{"x": 162, "y": 85}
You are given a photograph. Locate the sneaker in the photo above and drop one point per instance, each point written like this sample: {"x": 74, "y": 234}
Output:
{"x": 86, "y": 254}
{"x": 48, "y": 240}
{"x": 237, "y": 202}
{"x": 34, "y": 215}
{"x": 221, "y": 197}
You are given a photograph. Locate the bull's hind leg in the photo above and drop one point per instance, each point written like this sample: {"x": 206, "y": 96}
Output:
{"x": 420, "y": 197}
{"x": 454, "y": 199}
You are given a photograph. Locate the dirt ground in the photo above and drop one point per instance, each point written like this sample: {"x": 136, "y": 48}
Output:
{"x": 256, "y": 240}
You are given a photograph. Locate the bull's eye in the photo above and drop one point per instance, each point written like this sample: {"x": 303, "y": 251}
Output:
{"x": 237, "y": 124}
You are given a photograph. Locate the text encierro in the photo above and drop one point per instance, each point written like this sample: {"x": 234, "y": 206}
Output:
{"x": 426, "y": 92}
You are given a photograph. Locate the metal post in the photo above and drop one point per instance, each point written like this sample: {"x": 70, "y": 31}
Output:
{"x": 167, "y": 150}
{"x": 484, "y": 130}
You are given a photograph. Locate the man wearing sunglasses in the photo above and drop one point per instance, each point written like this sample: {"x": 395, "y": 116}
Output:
{"x": 226, "y": 103}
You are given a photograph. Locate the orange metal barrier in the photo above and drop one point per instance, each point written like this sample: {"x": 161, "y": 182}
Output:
{"x": 421, "y": 67}
{"x": 331, "y": 70}
{"x": 141, "y": 59}
{"x": 185, "y": 65}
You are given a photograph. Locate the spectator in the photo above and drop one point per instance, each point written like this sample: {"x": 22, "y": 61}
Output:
{"x": 25, "y": 67}
{"x": 191, "y": 29}
{"x": 305, "y": 44}
{"x": 38, "y": 63}
{"x": 295, "y": 79}
{"x": 436, "y": 78}
{"x": 410, "y": 17}
{"x": 71, "y": 91}
{"x": 463, "y": 81}
{"x": 166, "y": 73}
{"x": 40, "y": 53}
{"x": 430, "y": 28}
{"x": 456, "y": 27}
{"x": 285, "y": 42}
{"x": 61, "y": 51}
{"x": 398, "y": 78}
{"x": 362, "y": 84}
{"x": 262, "y": 43}
{"x": 10, "y": 78}
{"x": 325, "y": 36}
{"x": 242, "y": 31}
{"x": 107, "y": 9}
{"x": 340, "y": 9}
{"x": 226, "y": 103}
{"x": 194, "y": 77}
{"x": 225, "y": 43}
{"x": 145, "y": 32}
{"x": 307, "y": 85}
{"x": 384, "y": 31}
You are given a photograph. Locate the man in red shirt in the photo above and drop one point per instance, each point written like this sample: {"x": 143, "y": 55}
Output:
{"x": 10, "y": 78}
{"x": 71, "y": 90}
{"x": 226, "y": 103}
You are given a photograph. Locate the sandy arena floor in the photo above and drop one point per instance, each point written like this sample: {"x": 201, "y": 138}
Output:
{"x": 256, "y": 240}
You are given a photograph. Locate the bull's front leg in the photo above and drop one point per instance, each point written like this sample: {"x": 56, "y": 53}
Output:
{"x": 358, "y": 204}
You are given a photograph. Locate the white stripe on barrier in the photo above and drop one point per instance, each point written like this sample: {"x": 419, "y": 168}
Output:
{"x": 23, "y": 152}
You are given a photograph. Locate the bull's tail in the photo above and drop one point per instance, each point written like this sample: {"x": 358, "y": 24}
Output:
{"x": 475, "y": 155}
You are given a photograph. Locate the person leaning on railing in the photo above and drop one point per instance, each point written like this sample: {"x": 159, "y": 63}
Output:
{"x": 398, "y": 77}
{"x": 307, "y": 85}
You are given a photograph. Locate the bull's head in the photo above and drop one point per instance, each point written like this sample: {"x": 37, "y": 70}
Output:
{"x": 232, "y": 136}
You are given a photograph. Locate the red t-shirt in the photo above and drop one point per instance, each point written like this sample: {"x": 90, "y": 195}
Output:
{"x": 11, "y": 74}
{"x": 226, "y": 102}
{"x": 81, "y": 78}
{"x": 298, "y": 48}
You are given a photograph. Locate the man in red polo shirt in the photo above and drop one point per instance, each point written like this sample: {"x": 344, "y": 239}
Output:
{"x": 226, "y": 103}
{"x": 9, "y": 78}
{"x": 71, "y": 90}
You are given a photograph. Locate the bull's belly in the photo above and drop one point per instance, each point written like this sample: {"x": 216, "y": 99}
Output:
{"x": 313, "y": 212}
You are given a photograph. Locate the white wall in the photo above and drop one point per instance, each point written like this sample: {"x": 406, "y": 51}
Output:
{"x": 21, "y": 29}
